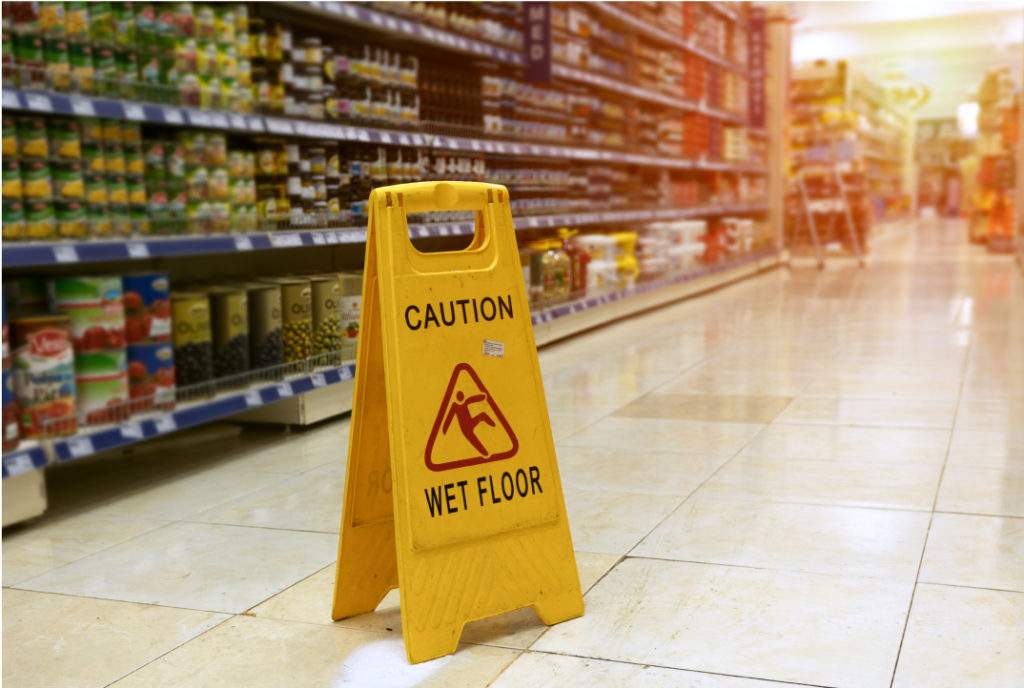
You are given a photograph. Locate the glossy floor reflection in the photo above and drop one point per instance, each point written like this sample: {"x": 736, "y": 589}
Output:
{"x": 808, "y": 478}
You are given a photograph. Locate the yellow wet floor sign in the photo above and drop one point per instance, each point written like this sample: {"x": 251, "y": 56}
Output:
{"x": 452, "y": 491}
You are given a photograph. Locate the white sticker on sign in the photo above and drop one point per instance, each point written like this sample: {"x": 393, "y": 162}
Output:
{"x": 494, "y": 348}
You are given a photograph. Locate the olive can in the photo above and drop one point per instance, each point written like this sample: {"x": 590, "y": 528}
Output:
{"x": 326, "y": 295}
{"x": 44, "y": 373}
{"x": 193, "y": 354}
{"x": 296, "y": 318}
{"x": 229, "y": 313}
{"x": 266, "y": 346}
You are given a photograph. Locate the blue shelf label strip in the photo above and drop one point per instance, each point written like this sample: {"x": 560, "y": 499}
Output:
{"x": 30, "y": 254}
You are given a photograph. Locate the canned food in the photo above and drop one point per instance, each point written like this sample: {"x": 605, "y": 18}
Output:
{"x": 95, "y": 307}
{"x": 326, "y": 296}
{"x": 151, "y": 376}
{"x": 12, "y": 186}
{"x": 190, "y": 315}
{"x": 58, "y": 61}
{"x": 98, "y": 218}
{"x": 296, "y": 318}
{"x": 83, "y": 73}
{"x": 35, "y": 180}
{"x": 266, "y": 346}
{"x": 39, "y": 222}
{"x": 96, "y": 190}
{"x": 51, "y": 18}
{"x": 76, "y": 20}
{"x": 68, "y": 183}
{"x": 65, "y": 143}
{"x": 10, "y": 137}
{"x": 349, "y": 311}
{"x": 117, "y": 190}
{"x": 147, "y": 307}
{"x": 71, "y": 219}
{"x": 229, "y": 312}
{"x": 13, "y": 219}
{"x": 44, "y": 373}
{"x": 101, "y": 386}
{"x": 94, "y": 160}
{"x": 134, "y": 163}
{"x": 101, "y": 22}
{"x": 114, "y": 155}
{"x": 32, "y": 140}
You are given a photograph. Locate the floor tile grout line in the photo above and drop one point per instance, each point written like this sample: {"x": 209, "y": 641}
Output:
{"x": 694, "y": 490}
{"x": 176, "y": 647}
{"x": 931, "y": 517}
{"x": 779, "y": 569}
{"x": 115, "y": 600}
{"x": 780, "y": 682}
{"x": 972, "y": 587}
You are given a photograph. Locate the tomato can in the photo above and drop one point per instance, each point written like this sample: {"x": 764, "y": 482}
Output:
{"x": 95, "y": 306}
{"x": 101, "y": 386}
{"x": 44, "y": 376}
{"x": 147, "y": 307}
{"x": 151, "y": 376}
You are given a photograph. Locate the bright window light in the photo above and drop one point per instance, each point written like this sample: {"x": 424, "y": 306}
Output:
{"x": 967, "y": 119}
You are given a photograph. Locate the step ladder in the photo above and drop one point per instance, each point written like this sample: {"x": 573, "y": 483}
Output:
{"x": 824, "y": 198}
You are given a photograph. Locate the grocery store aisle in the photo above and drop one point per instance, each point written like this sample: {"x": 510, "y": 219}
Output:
{"x": 814, "y": 478}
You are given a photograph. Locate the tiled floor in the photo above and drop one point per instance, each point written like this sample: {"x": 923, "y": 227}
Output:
{"x": 807, "y": 478}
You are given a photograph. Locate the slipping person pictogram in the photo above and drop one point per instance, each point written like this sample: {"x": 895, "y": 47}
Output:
{"x": 468, "y": 422}
{"x": 487, "y": 434}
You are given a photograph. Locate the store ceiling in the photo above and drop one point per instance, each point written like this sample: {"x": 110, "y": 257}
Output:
{"x": 946, "y": 46}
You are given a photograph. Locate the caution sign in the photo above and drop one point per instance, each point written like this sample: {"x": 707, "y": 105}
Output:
{"x": 452, "y": 492}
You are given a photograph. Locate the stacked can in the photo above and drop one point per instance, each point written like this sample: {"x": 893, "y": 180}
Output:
{"x": 44, "y": 376}
{"x": 242, "y": 176}
{"x": 336, "y": 190}
{"x": 272, "y": 203}
{"x": 147, "y": 307}
{"x": 307, "y": 183}
{"x": 229, "y": 316}
{"x": 269, "y": 42}
{"x": 36, "y": 185}
{"x": 67, "y": 176}
{"x": 22, "y": 23}
{"x": 302, "y": 74}
{"x": 190, "y": 316}
{"x": 14, "y": 207}
{"x": 326, "y": 298}
{"x": 266, "y": 346}
{"x": 95, "y": 307}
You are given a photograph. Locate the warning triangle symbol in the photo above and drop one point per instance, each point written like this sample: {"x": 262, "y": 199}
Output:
{"x": 469, "y": 428}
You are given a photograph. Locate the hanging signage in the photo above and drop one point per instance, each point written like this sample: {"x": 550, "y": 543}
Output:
{"x": 452, "y": 491}
{"x": 537, "y": 41}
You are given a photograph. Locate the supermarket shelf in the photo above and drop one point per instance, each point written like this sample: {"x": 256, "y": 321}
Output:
{"x": 550, "y": 324}
{"x": 659, "y": 34}
{"x": 92, "y": 440}
{"x": 413, "y": 30}
{"x": 33, "y": 254}
{"x": 149, "y": 113}
{"x": 562, "y": 320}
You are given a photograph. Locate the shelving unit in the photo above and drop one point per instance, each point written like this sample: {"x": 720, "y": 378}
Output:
{"x": 994, "y": 212}
{"x": 844, "y": 121}
{"x": 309, "y": 397}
